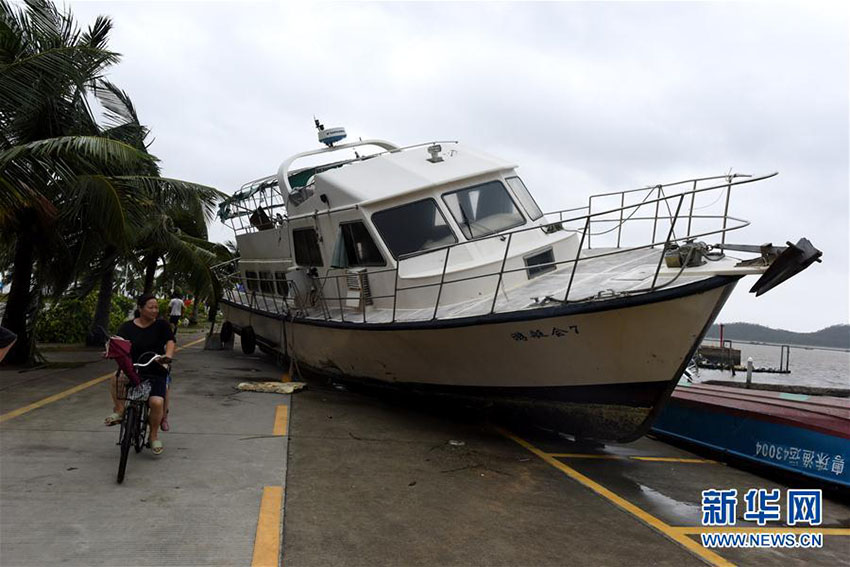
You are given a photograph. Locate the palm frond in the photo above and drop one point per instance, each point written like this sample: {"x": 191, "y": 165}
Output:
{"x": 176, "y": 193}
{"x": 98, "y": 194}
{"x": 98, "y": 33}
{"x": 95, "y": 152}
{"x": 119, "y": 108}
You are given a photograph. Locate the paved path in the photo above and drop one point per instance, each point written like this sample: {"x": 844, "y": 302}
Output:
{"x": 197, "y": 504}
{"x": 373, "y": 481}
{"x": 333, "y": 477}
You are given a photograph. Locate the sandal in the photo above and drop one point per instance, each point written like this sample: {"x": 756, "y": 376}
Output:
{"x": 156, "y": 447}
{"x": 113, "y": 419}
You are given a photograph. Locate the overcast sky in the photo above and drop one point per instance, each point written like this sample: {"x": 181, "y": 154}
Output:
{"x": 585, "y": 97}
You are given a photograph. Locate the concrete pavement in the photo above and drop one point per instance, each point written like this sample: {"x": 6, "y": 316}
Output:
{"x": 328, "y": 476}
{"x": 197, "y": 504}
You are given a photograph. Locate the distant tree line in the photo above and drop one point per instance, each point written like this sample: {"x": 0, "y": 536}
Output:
{"x": 836, "y": 336}
{"x": 83, "y": 207}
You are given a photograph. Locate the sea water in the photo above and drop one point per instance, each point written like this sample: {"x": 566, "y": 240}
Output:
{"x": 809, "y": 366}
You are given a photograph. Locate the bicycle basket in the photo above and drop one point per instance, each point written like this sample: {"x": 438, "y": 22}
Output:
{"x": 139, "y": 393}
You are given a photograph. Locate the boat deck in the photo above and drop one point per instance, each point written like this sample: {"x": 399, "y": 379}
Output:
{"x": 600, "y": 274}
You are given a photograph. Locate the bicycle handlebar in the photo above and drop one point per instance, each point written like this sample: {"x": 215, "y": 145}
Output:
{"x": 155, "y": 358}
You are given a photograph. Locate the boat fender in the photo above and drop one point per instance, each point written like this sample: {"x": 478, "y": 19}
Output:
{"x": 226, "y": 332}
{"x": 249, "y": 340}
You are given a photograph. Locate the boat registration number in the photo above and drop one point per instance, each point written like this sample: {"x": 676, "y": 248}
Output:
{"x": 544, "y": 333}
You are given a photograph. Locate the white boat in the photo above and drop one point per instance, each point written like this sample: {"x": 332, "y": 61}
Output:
{"x": 431, "y": 268}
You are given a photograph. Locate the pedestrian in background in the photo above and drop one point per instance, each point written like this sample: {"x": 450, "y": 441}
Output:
{"x": 175, "y": 311}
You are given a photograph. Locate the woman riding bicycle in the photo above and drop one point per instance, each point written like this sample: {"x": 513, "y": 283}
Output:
{"x": 148, "y": 334}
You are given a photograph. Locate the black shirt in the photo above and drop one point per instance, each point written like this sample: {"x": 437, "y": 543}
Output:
{"x": 147, "y": 340}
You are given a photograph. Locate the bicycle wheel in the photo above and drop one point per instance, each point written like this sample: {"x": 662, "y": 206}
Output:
{"x": 141, "y": 430}
{"x": 129, "y": 426}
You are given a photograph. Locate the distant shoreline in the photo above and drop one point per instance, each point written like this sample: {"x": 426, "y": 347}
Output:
{"x": 835, "y": 337}
{"x": 806, "y": 347}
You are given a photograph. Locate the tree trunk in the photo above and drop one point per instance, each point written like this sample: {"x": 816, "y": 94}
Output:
{"x": 212, "y": 314}
{"x": 150, "y": 271}
{"x": 99, "y": 329}
{"x": 18, "y": 302}
{"x": 193, "y": 318}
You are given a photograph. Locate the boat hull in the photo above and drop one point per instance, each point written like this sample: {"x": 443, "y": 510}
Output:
{"x": 800, "y": 434}
{"x": 598, "y": 370}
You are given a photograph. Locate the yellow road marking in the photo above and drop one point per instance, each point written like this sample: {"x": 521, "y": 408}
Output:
{"x": 192, "y": 343}
{"x": 584, "y": 456}
{"x": 624, "y": 457}
{"x": 695, "y": 530}
{"x": 280, "y": 419}
{"x": 673, "y": 460}
{"x": 647, "y": 518}
{"x": 56, "y": 397}
{"x": 267, "y": 540}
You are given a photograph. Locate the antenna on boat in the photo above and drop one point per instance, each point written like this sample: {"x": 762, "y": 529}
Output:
{"x": 330, "y": 136}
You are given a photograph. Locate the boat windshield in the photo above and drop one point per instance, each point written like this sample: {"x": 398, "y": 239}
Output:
{"x": 525, "y": 198}
{"x": 483, "y": 209}
{"x": 413, "y": 227}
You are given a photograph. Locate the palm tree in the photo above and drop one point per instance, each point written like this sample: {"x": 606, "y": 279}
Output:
{"x": 73, "y": 191}
{"x": 169, "y": 202}
{"x": 54, "y": 167}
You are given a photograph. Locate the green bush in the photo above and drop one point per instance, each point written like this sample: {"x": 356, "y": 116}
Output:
{"x": 121, "y": 307}
{"x": 68, "y": 319}
{"x": 163, "y": 307}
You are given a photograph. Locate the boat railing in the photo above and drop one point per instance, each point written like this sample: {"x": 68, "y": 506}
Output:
{"x": 258, "y": 205}
{"x": 668, "y": 214}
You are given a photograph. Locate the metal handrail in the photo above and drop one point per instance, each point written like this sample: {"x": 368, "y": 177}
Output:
{"x": 592, "y": 215}
{"x": 589, "y": 219}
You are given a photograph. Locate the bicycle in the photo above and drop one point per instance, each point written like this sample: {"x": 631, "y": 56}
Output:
{"x": 134, "y": 424}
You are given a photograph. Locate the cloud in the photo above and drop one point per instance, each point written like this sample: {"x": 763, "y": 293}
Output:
{"x": 586, "y": 97}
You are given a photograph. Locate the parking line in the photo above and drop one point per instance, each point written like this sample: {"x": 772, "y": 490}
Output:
{"x": 584, "y": 456}
{"x": 267, "y": 540}
{"x": 669, "y": 531}
{"x": 674, "y": 460}
{"x": 281, "y": 415}
{"x": 626, "y": 457}
{"x": 55, "y": 397}
{"x": 696, "y": 530}
{"x": 64, "y": 394}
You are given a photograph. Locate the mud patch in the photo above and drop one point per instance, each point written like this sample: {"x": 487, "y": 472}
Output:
{"x": 271, "y": 387}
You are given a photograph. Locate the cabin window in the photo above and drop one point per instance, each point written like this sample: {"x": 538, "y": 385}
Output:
{"x": 307, "y": 251}
{"x": 266, "y": 282}
{"x": 525, "y": 199}
{"x": 252, "y": 281}
{"x": 483, "y": 209}
{"x": 355, "y": 247}
{"x": 413, "y": 227}
{"x": 540, "y": 263}
{"x": 281, "y": 283}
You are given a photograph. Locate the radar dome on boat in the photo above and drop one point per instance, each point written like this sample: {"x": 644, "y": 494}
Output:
{"x": 330, "y": 136}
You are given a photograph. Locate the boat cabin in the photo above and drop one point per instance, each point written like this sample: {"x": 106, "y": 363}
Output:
{"x": 402, "y": 230}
